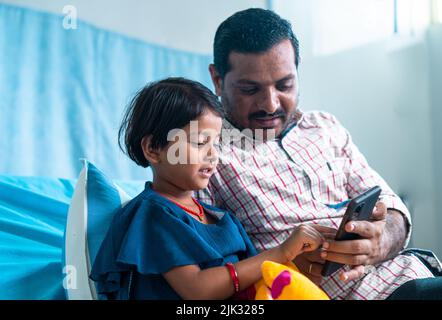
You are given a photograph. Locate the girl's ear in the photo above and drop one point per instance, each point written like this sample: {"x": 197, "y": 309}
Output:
{"x": 150, "y": 154}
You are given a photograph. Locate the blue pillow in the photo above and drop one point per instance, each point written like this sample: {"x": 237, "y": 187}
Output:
{"x": 96, "y": 198}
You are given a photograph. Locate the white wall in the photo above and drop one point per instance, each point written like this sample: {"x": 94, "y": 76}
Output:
{"x": 383, "y": 99}
{"x": 435, "y": 56}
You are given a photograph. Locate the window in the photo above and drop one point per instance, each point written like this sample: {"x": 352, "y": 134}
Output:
{"x": 343, "y": 24}
{"x": 412, "y": 16}
{"x": 436, "y": 11}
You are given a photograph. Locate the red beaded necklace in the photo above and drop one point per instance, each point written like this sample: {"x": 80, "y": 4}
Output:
{"x": 199, "y": 214}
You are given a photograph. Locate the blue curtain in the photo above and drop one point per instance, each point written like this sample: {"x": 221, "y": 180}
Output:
{"x": 63, "y": 92}
{"x": 62, "y": 96}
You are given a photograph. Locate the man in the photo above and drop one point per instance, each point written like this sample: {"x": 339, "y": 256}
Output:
{"x": 307, "y": 172}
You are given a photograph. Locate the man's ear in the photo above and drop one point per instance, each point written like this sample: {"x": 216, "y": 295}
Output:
{"x": 216, "y": 79}
{"x": 150, "y": 154}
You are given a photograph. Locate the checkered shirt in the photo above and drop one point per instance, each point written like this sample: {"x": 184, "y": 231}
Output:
{"x": 280, "y": 183}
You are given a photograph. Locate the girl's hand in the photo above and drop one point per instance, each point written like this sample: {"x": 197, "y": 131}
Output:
{"x": 304, "y": 238}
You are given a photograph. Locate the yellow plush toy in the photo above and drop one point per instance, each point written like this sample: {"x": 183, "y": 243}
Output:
{"x": 285, "y": 282}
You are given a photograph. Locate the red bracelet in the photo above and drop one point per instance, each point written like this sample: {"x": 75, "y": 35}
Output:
{"x": 233, "y": 275}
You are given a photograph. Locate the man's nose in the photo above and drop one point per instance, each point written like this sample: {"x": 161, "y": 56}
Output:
{"x": 269, "y": 101}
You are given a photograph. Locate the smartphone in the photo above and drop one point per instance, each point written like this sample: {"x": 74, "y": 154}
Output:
{"x": 360, "y": 208}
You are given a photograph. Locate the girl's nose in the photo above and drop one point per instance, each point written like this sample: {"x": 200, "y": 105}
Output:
{"x": 212, "y": 154}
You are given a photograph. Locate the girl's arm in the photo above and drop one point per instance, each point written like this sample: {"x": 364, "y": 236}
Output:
{"x": 190, "y": 282}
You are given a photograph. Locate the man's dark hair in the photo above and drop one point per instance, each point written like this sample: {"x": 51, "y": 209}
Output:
{"x": 160, "y": 107}
{"x": 250, "y": 31}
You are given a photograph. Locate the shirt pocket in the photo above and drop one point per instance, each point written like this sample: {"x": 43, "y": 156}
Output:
{"x": 328, "y": 180}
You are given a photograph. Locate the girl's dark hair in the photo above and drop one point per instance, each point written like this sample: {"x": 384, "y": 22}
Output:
{"x": 253, "y": 30}
{"x": 160, "y": 107}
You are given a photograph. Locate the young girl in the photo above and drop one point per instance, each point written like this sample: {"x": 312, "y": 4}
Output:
{"x": 164, "y": 244}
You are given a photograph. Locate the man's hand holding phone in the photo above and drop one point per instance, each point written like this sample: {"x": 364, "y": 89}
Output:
{"x": 360, "y": 252}
{"x": 356, "y": 253}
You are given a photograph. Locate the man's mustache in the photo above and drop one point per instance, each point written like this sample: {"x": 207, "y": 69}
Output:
{"x": 263, "y": 114}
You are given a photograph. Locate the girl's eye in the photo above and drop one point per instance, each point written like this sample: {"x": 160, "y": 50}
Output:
{"x": 198, "y": 144}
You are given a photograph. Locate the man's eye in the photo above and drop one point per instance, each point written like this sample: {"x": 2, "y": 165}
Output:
{"x": 284, "y": 87}
{"x": 249, "y": 91}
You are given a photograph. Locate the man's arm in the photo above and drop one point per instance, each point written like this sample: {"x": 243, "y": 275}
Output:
{"x": 389, "y": 230}
{"x": 383, "y": 237}
{"x": 395, "y": 234}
